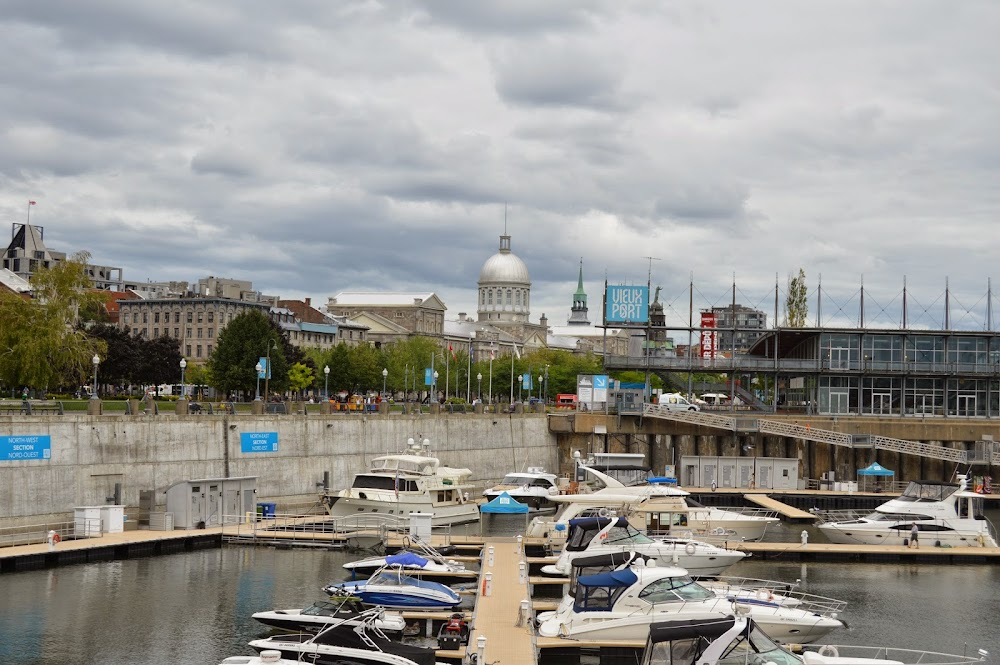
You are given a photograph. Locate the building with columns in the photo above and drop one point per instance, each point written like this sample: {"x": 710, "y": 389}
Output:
{"x": 504, "y": 297}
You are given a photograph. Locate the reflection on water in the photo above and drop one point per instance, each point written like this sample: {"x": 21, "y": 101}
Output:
{"x": 195, "y": 608}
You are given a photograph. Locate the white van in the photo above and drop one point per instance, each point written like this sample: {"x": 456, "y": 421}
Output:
{"x": 677, "y": 402}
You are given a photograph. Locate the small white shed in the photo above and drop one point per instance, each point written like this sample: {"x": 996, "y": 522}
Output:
{"x": 205, "y": 502}
{"x": 745, "y": 472}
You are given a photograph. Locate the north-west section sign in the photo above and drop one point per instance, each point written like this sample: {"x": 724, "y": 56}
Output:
{"x": 626, "y": 305}
{"x": 259, "y": 442}
{"x": 25, "y": 447}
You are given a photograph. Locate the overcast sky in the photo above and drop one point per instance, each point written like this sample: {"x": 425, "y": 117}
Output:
{"x": 314, "y": 147}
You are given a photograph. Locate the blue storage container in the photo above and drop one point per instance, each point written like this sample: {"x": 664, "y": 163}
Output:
{"x": 266, "y": 510}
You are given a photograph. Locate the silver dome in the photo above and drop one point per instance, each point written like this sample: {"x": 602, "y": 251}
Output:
{"x": 505, "y": 268}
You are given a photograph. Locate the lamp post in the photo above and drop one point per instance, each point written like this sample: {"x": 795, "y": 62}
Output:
{"x": 491, "y": 377}
{"x": 260, "y": 370}
{"x": 271, "y": 344}
{"x": 385, "y": 373}
{"x": 479, "y": 386}
{"x": 184, "y": 364}
{"x": 520, "y": 384}
{"x": 97, "y": 361}
{"x": 434, "y": 385}
{"x": 541, "y": 383}
{"x": 326, "y": 383}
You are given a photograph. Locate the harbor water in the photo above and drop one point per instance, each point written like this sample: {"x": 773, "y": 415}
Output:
{"x": 194, "y": 608}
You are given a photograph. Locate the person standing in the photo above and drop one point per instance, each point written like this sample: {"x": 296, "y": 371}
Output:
{"x": 914, "y": 534}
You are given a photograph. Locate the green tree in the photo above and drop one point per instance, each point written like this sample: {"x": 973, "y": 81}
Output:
{"x": 40, "y": 343}
{"x": 300, "y": 377}
{"x": 796, "y": 303}
{"x": 238, "y": 349}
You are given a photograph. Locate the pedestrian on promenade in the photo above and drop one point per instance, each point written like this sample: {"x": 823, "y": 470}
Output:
{"x": 914, "y": 533}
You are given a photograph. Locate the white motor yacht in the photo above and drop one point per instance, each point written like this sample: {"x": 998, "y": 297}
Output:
{"x": 946, "y": 514}
{"x": 533, "y": 488}
{"x": 323, "y": 613}
{"x": 404, "y": 483}
{"x": 727, "y": 640}
{"x": 589, "y": 536}
{"x": 621, "y": 605}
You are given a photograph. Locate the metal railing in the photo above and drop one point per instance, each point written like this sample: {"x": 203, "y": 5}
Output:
{"x": 37, "y": 534}
{"x": 318, "y": 528}
{"x": 773, "y": 591}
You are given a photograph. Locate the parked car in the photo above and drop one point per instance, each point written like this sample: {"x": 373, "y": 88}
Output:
{"x": 677, "y": 402}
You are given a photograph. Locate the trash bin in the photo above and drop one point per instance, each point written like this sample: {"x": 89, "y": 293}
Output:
{"x": 266, "y": 510}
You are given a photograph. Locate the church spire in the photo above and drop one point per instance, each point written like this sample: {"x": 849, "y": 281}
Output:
{"x": 578, "y": 313}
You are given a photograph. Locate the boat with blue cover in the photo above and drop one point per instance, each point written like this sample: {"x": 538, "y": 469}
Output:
{"x": 390, "y": 587}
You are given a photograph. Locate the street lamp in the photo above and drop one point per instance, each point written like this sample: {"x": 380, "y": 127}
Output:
{"x": 271, "y": 344}
{"x": 434, "y": 386}
{"x": 520, "y": 384}
{"x": 97, "y": 361}
{"x": 184, "y": 364}
{"x": 326, "y": 383}
{"x": 479, "y": 386}
{"x": 385, "y": 373}
{"x": 541, "y": 383}
{"x": 260, "y": 370}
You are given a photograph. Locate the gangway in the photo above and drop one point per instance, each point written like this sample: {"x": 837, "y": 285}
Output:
{"x": 986, "y": 452}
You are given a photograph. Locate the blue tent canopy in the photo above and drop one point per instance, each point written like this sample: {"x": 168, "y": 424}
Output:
{"x": 505, "y": 504}
{"x": 614, "y": 578}
{"x": 875, "y": 469}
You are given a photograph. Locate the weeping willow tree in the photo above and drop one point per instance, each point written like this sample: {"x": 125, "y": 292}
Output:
{"x": 41, "y": 343}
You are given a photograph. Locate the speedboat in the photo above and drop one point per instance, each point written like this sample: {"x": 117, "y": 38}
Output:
{"x": 532, "y": 488}
{"x": 621, "y": 604}
{"x": 269, "y": 657}
{"x": 723, "y": 640}
{"x": 589, "y": 536}
{"x": 321, "y": 614}
{"x": 390, "y": 587}
{"x": 361, "y": 644}
{"x": 946, "y": 514}
{"x": 421, "y": 559}
{"x": 409, "y": 482}
{"x": 658, "y": 506}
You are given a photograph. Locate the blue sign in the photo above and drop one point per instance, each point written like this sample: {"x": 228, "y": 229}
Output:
{"x": 526, "y": 383}
{"x": 265, "y": 368}
{"x": 259, "y": 442}
{"x": 29, "y": 447}
{"x": 428, "y": 377}
{"x": 626, "y": 304}
{"x": 600, "y": 382}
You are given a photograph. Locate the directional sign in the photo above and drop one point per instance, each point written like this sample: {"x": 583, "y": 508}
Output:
{"x": 259, "y": 442}
{"x": 25, "y": 447}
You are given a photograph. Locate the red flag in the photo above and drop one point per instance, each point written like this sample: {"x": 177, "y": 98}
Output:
{"x": 31, "y": 203}
{"x": 452, "y": 351}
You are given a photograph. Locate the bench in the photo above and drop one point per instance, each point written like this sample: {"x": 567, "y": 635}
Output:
{"x": 13, "y": 407}
{"x": 30, "y": 407}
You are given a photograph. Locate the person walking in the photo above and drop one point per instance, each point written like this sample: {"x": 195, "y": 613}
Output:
{"x": 914, "y": 533}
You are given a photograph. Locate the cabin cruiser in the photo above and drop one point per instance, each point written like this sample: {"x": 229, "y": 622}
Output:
{"x": 725, "y": 640}
{"x": 416, "y": 560}
{"x": 620, "y": 605}
{"x": 946, "y": 514}
{"x": 344, "y": 610}
{"x": 390, "y": 587}
{"x": 409, "y": 482}
{"x": 532, "y": 488}
{"x": 361, "y": 644}
{"x": 659, "y": 506}
{"x": 589, "y": 536}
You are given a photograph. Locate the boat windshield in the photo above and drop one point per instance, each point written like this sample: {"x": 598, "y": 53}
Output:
{"x": 674, "y": 589}
{"x": 756, "y": 649}
{"x": 917, "y": 491}
{"x": 324, "y": 609}
{"x": 897, "y": 517}
{"x": 622, "y": 536}
{"x": 519, "y": 479}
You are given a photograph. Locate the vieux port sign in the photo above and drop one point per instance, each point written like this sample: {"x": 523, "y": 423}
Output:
{"x": 626, "y": 305}
{"x": 25, "y": 447}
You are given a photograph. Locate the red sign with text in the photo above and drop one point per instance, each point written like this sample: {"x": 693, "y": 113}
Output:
{"x": 709, "y": 336}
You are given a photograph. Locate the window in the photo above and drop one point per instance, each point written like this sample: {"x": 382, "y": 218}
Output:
{"x": 198, "y": 354}
{"x": 201, "y": 316}
{"x": 125, "y": 318}
{"x": 145, "y": 317}
{"x": 199, "y": 333}
{"x": 211, "y": 317}
{"x": 177, "y": 333}
{"x": 188, "y": 334}
{"x": 187, "y": 350}
{"x": 489, "y": 297}
{"x": 135, "y": 332}
{"x": 209, "y": 351}
{"x": 156, "y": 317}
{"x": 210, "y": 332}
{"x": 509, "y": 301}
{"x": 190, "y": 317}
{"x": 177, "y": 317}
{"x": 156, "y": 332}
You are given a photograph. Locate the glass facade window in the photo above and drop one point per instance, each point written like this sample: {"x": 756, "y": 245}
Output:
{"x": 968, "y": 350}
{"x": 882, "y": 349}
{"x": 925, "y": 351}
{"x": 840, "y": 350}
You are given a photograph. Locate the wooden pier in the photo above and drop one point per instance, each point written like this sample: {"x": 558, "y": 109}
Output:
{"x": 498, "y": 617}
{"x": 788, "y": 513}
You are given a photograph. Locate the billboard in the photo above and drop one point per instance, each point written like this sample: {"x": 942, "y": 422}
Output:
{"x": 709, "y": 335}
{"x": 626, "y": 305}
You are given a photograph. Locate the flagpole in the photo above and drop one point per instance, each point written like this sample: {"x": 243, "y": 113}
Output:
{"x": 512, "y": 374}
{"x": 468, "y": 375}
{"x": 447, "y": 375}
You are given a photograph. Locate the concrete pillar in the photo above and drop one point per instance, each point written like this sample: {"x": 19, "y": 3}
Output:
{"x": 518, "y": 407}
{"x": 183, "y": 407}
{"x": 95, "y": 407}
{"x": 435, "y": 408}
{"x": 324, "y": 408}
{"x": 257, "y": 407}
{"x": 477, "y": 408}
{"x": 134, "y": 406}
{"x": 383, "y": 407}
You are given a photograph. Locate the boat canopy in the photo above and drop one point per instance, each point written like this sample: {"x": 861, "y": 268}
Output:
{"x": 614, "y": 578}
{"x": 686, "y": 629}
{"x": 504, "y": 503}
{"x": 596, "y": 522}
{"x": 613, "y": 559}
{"x": 406, "y": 559}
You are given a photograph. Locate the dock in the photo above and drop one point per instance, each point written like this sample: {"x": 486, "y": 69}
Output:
{"x": 498, "y": 617}
{"x": 788, "y": 513}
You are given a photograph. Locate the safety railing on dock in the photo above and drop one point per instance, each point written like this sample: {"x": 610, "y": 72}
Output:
{"x": 324, "y": 530}
{"x": 35, "y": 534}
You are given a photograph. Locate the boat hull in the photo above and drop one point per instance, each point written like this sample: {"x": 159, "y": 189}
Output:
{"x": 870, "y": 534}
{"x": 401, "y": 507}
{"x": 294, "y": 620}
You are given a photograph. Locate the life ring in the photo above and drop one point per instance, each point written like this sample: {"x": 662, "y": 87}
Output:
{"x": 690, "y": 548}
{"x": 56, "y": 538}
{"x": 719, "y": 531}
{"x": 829, "y": 651}
{"x": 764, "y": 594}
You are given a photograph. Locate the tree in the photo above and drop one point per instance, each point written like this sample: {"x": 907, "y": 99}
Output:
{"x": 40, "y": 343}
{"x": 300, "y": 377}
{"x": 239, "y": 348}
{"x": 796, "y": 304}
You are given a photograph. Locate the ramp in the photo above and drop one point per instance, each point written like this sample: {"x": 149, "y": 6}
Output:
{"x": 734, "y": 423}
{"x": 790, "y": 513}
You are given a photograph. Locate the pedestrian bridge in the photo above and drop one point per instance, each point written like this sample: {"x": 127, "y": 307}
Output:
{"x": 985, "y": 452}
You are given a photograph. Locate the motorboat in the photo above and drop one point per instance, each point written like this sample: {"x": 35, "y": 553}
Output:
{"x": 659, "y": 506}
{"x": 589, "y": 536}
{"x": 321, "y": 614}
{"x": 946, "y": 514}
{"x": 724, "y": 640}
{"x": 361, "y": 644}
{"x": 413, "y": 481}
{"x": 269, "y": 657}
{"x": 532, "y": 488}
{"x": 417, "y": 559}
{"x": 622, "y": 604}
{"x": 390, "y": 587}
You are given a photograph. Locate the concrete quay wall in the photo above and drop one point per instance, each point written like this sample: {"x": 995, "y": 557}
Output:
{"x": 89, "y": 454}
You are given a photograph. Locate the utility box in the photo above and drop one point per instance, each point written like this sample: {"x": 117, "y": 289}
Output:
{"x": 161, "y": 522}
{"x": 112, "y": 519}
{"x": 87, "y": 521}
{"x": 210, "y": 502}
{"x": 420, "y": 527}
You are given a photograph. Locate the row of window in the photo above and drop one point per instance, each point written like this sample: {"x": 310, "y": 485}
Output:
{"x": 198, "y": 351}
{"x": 514, "y": 297}
{"x": 840, "y": 348}
{"x": 189, "y": 317}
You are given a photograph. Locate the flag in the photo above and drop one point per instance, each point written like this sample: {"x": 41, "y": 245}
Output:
{"x": 31, "y": 203}
{"x": 516, "y": 351}
{"x": 451, "y": 350}
{"x": 493, "y": 354}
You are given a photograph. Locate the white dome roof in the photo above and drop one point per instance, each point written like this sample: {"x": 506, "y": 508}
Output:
{"x": 506, "y": 268}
